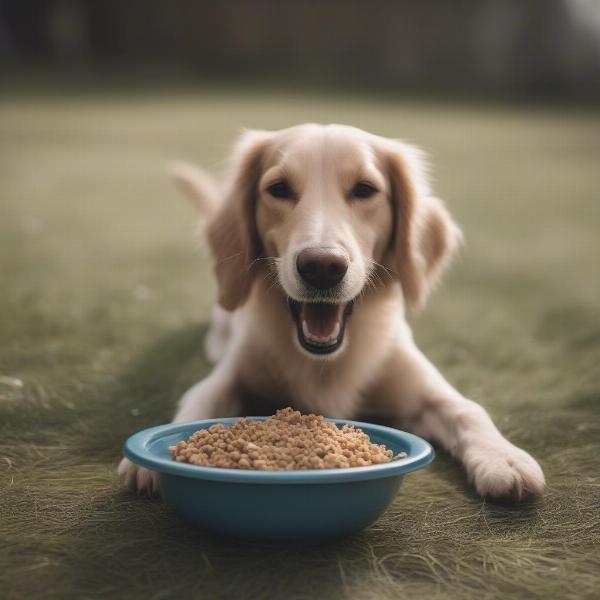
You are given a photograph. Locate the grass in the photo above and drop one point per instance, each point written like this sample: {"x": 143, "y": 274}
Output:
{"x": 103, "y": 307}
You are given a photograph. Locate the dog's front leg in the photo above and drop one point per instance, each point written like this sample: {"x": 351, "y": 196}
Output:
{"x": 429, "y": 406}
{"x": 215, "y": 396}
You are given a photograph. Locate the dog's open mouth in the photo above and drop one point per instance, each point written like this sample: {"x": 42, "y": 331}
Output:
{"x": 320, "y": 325}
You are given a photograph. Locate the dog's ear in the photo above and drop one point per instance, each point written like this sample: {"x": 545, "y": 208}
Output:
{"x": 232, "y": 232}
{"x": 425, "y": 236}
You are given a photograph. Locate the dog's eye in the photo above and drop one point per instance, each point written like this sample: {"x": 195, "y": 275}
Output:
{"x": 280, "y": 189}
{"x": 363, "y": 190}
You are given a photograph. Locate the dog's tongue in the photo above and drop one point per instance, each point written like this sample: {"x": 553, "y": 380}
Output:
{"x": 321, "y": 318}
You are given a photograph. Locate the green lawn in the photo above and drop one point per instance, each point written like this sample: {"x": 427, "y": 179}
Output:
{"x": 103, "y": 305}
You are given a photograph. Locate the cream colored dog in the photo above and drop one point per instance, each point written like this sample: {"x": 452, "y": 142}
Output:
{"x": 324, "y": 236}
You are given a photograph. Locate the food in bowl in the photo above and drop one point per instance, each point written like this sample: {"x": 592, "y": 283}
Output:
{"x": 286, "y": 441}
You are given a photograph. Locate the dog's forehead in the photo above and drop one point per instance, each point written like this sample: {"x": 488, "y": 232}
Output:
{"x": 339, "y": 147}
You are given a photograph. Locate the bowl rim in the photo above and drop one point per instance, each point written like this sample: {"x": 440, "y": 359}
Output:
{"x": 137, "y": 449}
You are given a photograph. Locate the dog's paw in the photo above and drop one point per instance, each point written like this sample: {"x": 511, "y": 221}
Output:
{"x": 138, "y": 479}
{"x": 503, "y": 471}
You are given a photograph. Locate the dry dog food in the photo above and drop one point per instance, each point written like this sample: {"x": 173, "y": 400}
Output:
{"x": 288, "y": 440}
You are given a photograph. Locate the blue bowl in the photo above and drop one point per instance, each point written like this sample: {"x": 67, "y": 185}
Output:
{"x": 278, "y": 505}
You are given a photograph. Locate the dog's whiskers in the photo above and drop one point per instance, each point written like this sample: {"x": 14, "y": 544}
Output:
{"x": 372, "y": 279}
{"x": 272, "y": 260}
{"x": 271, "y": 275}
{"x": 386, "y": 270}
{"x": 274, "y": 284}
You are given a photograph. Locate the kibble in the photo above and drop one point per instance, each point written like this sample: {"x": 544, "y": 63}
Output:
{"x": 285, "y": 441}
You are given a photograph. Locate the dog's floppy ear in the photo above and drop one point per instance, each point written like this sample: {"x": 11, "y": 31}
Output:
{"x": 232, "y": 232}
{"x": 425, "y": 236}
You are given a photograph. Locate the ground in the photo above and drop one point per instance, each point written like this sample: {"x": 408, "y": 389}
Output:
{"x": 104, "y": 302}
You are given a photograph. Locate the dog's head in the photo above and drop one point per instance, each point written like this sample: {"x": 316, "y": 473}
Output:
{"x": 333, "y": 211}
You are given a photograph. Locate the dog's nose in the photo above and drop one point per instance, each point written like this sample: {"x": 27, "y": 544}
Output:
{"x": 322, "y": 268}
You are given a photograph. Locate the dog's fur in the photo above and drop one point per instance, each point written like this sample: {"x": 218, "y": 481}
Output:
{"x": 397, "y": 243}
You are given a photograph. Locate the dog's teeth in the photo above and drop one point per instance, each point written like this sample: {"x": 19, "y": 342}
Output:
{"x": 330, "y": 339}
{"x": 305, "y": 330}
{"x": 336, "y": 332}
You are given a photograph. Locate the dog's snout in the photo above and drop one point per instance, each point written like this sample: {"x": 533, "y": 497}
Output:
{"x": 322, "y": 268}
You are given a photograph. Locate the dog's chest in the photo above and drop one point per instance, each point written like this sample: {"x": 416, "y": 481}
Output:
{"x": 309, "y": 386}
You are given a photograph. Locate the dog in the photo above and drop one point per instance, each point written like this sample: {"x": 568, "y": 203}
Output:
{"x": 323, "y": 237}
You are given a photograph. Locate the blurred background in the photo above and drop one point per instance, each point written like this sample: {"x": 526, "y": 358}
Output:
{"x": 105, "y": 298}
{"x": 540, "y": 48}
